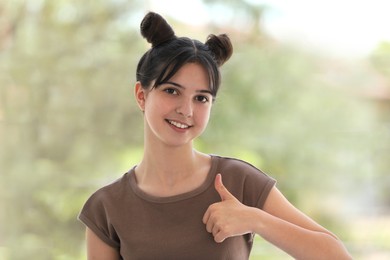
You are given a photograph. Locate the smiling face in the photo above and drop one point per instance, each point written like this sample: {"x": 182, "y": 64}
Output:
{"x": 178, "y": 110}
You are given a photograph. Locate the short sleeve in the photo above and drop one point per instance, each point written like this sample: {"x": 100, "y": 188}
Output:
{"x": 95, "y": 215}
{"x": 258, "y": 186}
{"x": 249, "y": 184}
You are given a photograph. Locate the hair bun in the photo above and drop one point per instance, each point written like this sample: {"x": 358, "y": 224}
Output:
{"x": 221, "y": 47}
{"x": 155, "y": 29}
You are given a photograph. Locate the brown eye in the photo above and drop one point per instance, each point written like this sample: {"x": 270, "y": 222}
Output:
{"x": 171, "y": 91}
{"x": 202, "y": 99}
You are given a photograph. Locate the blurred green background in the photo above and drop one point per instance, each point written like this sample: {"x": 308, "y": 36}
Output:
{"x": 317, "y": 123}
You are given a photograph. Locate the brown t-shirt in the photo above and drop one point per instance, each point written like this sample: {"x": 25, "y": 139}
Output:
{"x": 142, "y": 226}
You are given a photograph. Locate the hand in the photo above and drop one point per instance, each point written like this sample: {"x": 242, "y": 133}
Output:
{"x": 229, "y": 217}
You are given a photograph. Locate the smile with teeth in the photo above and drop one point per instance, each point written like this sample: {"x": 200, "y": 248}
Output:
{"x": 178, "y": 125}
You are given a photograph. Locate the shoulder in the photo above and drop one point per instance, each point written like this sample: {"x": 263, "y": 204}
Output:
{"x": 248, "y": 183}
{"x": 102, "y": 202}
{"x": 98, "y": 212}
{"x": 239, "y": 167}
{"x": 110, "y": 192}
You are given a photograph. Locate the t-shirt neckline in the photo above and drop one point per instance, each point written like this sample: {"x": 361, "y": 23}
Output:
{"x": 179, "y": 197}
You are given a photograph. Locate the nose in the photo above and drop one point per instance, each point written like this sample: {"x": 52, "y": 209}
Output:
{"x": 185, "y": 108}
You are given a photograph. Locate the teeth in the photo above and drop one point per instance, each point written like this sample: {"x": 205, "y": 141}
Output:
{"x": 179, "y": 125}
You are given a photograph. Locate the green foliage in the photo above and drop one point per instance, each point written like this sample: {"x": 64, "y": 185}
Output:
{"x": 69, "y": 123}
{"x": 63, "y": 111}
{"x": 380, "y": 58}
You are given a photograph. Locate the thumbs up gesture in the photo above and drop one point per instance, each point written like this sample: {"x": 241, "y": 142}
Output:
{"x": 229, "y": 217}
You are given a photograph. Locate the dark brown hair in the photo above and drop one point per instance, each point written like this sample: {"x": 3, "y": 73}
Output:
{"x": 169, "y": 53}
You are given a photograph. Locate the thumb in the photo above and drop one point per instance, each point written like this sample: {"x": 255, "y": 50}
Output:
{"x": 221, "y": 189}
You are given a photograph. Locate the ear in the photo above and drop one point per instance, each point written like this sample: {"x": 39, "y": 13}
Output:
{"x": 140, "y": 95}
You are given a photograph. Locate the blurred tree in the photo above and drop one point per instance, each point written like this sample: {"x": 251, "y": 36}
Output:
{"x": 380, "y": 95}
{"x": 245, "y": 16}
{"x": 69, "y": 125}
{"x": 282, "y": 104}
{"x": 380, "y": 58}
{"x": 66, "y": 70}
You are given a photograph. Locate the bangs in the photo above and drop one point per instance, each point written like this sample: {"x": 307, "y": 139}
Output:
{"x": 177, "y": 62}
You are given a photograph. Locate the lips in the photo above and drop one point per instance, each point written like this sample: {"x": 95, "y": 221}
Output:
{"x": 178, "y": 124}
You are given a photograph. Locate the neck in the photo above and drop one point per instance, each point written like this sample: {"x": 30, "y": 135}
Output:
{"x": 167, "y": 165}
{"x": 171, "y": 160}
{"x": 168, "y": 169}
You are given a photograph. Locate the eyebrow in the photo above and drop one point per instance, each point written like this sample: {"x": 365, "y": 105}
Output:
{"x": 181, "y": 86}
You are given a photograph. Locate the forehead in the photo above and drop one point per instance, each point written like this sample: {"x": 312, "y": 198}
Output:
{"x": 192, "y": 74}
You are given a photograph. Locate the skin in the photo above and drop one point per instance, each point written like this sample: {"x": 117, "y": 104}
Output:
{"x": 174, "y": 115}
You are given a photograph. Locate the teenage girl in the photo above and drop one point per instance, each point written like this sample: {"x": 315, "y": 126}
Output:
{"x": 179, "y": 203}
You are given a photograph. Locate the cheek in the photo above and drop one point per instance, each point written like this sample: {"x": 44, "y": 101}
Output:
{"x": 204, "y": 116}
{"x": 154, "y": 104}
{"x": 152, "y": 111}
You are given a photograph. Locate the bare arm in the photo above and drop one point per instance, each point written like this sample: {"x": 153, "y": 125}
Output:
{"x": 98, "y": 249}
{"x": 280, "y": 223}
{"x": 295, "y": 233}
